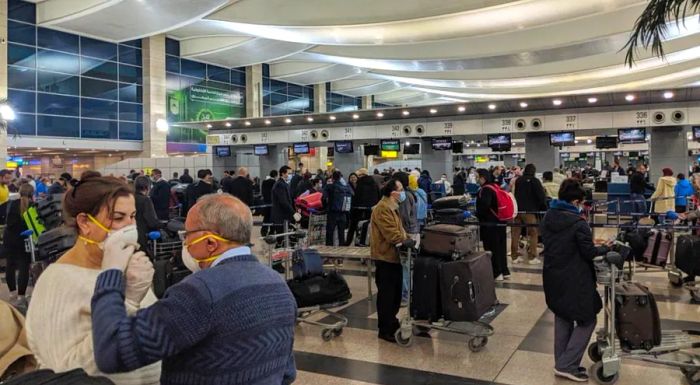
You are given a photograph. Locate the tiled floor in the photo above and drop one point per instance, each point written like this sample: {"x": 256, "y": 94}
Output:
{"x": 519, "y": 353}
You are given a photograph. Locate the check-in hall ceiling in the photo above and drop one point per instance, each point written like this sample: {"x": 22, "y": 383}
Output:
{"x": 416, "y": 52}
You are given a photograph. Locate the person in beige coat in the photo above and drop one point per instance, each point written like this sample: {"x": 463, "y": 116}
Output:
{"x": 663, "y": 197}
{"x": 15, "y": 356}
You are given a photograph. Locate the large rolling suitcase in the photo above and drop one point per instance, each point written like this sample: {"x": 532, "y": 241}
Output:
{"x": 50, "y": 211}
{"x": 323, "y": 289}
{"x": 448, "y": 241}
{"x": 658, "y": 248}
{"x": 467, "y": 288}
{"x": 425, "y": 298}
{"x": 638, "y": 325}
{"x": 53, "y": 243}
{"x": 449, "y": 216}
{"x": 688, "y": 254}
{"x": 451, "y": 202}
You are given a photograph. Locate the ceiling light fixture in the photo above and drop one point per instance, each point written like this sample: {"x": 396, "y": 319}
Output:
{"x": 576, "y": 141}
{"x": 492, "y": 106}
{"x": 288, "y": 120}
{"x": 6, "y": 112}
{"x": 406, "y": 113}
{"x": 268, "y": 122}
{"x": 380, "y": 114}
{"x": 309, "y": 119}
{"x": 209, "y": 125}
{"x": 629, "y": 97}
{"x": 592, "y": 100}
{"x": 332, "y": 117}
{"x": 523, "y": 105}
{"x": 557, "y": 102}
{"x": 228, "y": 124}
{"x": 355, "y": 116}
{"x": 247, "y": 123}
{"x": 461, "y": 108}
{"x": 668, "y": 95}
{"x": 433, "y": 111}
{"x": 589, "y": 141}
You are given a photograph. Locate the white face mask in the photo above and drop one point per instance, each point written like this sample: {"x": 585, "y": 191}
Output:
{"x": 188, "y": 260}
{"x": 128, "y": 234}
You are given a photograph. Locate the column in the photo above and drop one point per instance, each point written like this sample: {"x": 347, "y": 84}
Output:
{"x": 668, "y": 148}
{"x": 436, "y": 162}
{"x": 275, "y": 158}
{"x": 349, "y": 163}
{"x": 3, "y": 77}
{"x": 539, "y": 152}
{"x": 253, "y": 91}
{"x": 154, "y": 96}
{"x": 320, "y": 98}
{"x": 367, "y": 102}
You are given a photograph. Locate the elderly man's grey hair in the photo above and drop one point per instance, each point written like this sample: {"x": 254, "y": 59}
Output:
{"x": 225, "y": 215}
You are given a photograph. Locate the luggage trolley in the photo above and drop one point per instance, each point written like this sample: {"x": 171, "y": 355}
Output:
{"x": 328, "y": 330}
{"x": 606, "y": 351}
{"x": 477, "y": 330}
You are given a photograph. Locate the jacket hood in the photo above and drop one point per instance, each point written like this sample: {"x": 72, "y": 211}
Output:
{"x": 668, "y": 181}
{"x": 561, "y": 216}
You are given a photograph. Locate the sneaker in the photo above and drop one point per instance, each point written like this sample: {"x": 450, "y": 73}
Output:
{"x": 499, "y": 278}
{"x": 576, "y": 376}
{"x": 506, "y": 277}
{"x": 519, "y": 260}
{"x": 581, "y": 369}
{"x": 535, "y": 261}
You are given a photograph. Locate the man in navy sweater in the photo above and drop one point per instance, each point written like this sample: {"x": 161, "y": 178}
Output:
{"x": 231, "y": 322}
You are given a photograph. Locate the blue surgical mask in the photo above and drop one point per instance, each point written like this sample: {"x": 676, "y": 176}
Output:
{"x": 402, "y": 197}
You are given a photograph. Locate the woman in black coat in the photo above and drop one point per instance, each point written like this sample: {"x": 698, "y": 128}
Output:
{"x": 493, "y": 237}
{"x": 18, "y": 260}
{"x": 146, "y": 218}
{"x": 569, "y": 279}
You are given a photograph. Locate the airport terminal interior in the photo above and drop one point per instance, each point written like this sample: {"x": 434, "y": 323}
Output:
{"x": 452, "y": 131}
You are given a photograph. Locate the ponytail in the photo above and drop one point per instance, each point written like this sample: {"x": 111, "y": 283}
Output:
{"x": 26, "y": 191}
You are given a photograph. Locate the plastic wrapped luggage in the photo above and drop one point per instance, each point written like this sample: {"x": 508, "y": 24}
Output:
{"x": 467, "y": 287}
{"x": 688, "y": 254}
{"x": 638, "y": 324}
{"x": 323, "y": 289}
{"x": 658, "y": 247}
{"x": 53, "y": 243}
{"x": 309, "y": 202}
{"x": 425, "y": 299}
{"x": 448, "y": 241}
{"x": 306, "y": 263}
{"x": 451, "y": 202}
{"x": 449, "y": 216}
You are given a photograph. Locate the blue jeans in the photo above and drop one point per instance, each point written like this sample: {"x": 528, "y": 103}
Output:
{"x": 639, "y": 204}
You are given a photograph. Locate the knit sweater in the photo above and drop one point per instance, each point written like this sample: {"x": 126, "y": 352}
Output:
{"x": 230, "y": 324}
{"x": 59, "y": 325}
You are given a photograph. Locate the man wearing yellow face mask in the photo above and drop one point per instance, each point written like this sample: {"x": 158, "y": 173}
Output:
{"x": 231, "y": 322}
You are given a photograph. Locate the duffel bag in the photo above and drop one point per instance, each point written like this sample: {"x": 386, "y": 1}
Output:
{"x": 451, "y": 202}
{"x": 448, "y": 241}
{"x": 324, "y": 289}
{"x": 449, "y": 216}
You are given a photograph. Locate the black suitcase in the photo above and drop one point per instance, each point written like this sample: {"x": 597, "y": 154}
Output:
{"x": 451, "y": 202}
{"x": 53, "y": 243}
{"x": 601, "y": 186}
{"x": 324, "y": 289}
{"x": 467, "y": 287}
{"x": 50, "y": 211}
{"x": 425, "y": 297}
{"x": 637, "y": 318}
{"x": 362, "y": 234}
{"x": 165, "y": 274}
{"x": 688, "y": 254}
{"x": 449, "y": 216}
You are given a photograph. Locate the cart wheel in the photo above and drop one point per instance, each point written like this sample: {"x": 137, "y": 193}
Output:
{"x": 327, "y": 334}
{"x": 599, "y": 377}
{"x": 477, "y": 344}
{"x": 338, "y": 332}
{"x": 594, "y": 352}
{"x": 405, "y": 342}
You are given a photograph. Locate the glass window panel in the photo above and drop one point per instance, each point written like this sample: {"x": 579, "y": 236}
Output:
{"x": 172, "y": 47}
{"x": 130, "y": 55}
{"x": 60, "y": 41}
{"x": 266, "y": 86}
{"x": 267, "y": 99}
{"x": 99, "y": 109}
{"x": 97, "y": 48}
{"x": 278, "y": 86}
{"x": 102, "y": 89}
{"x": 267, "y": 111}
{"x": 294, "y": 90}
{"x": 218, "y": 73}
{"x": 238, "y": 78}
{"x": 172, "y": 82}
{"x": 21, "y": 33}
{"x": 130, "y": 93}
{"x": 22, "y": 101}
{"x": 58, "y": 62}
{"x": 96, "y": 68}
{"x": 277, "y": 98}
{"x": 21, "y": 10}
{"x": 133, "y": 43}
{"x": 193, "y": 68}
{"x": 24, "y": 124}
{"x": 130, "y": 131}
{"x": 172, "y": 64}
{"x": 57, "y": 126}
{"x": 50, "y": 104}
{"x": 218, "y": 85}
{"x": 20, "y": 55}
{"x": 186, "y": 81}
{"x": 266, "y": 70}
{"x": 21, "y": 78}
{"x": 58, "y": 83}
{"x": 131, "y": 112}
{"x": 99, "y": 129}
{"x": 130, "y": 74}
{"x": 278, "y": 110}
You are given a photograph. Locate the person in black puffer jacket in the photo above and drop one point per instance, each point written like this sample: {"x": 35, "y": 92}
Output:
{"x": 569, "y": 279}
{"x": 366, "y": 196}
{"x": 531, "y": 198}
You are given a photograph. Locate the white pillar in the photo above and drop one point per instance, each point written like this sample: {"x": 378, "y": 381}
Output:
{"x": 253, "y": 91}
{"x": 154, "y": 97}
{"x": 320, "y": 98}
{"x": 366, "y": 102}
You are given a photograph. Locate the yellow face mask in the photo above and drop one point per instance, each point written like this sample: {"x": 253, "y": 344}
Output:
{"x": 98, "y": 224}
{"x": 191, "y": 262}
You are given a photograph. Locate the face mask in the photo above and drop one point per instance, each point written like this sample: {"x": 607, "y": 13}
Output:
{"x": 191, "y": 262}
{"x": 402, "y": 196}
{"x": 289, "y": 178}
{"x": 128, "y": 234}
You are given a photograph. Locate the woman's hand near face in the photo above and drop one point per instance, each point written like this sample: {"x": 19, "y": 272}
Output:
{"x": 139, "y": 276}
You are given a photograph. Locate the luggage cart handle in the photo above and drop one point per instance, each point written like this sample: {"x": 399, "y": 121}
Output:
{"x": 26, "y": 233}
{"x": 154, "y": 235}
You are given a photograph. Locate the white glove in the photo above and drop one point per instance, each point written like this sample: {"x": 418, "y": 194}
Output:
{"x": 139, "y": 275}
{"x": 116, "y": 253}
{"x": 297, "y": 217}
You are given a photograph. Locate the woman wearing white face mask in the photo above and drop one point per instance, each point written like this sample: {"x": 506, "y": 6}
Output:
{"x": 59, "y": 326}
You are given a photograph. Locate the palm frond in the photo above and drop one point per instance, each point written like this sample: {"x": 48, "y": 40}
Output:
{"x": 650, "y": 29}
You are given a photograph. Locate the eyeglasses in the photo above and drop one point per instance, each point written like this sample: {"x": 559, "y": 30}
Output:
{"x": 182, "y": 234}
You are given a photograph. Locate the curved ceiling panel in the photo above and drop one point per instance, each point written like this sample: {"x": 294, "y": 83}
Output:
{"x": 516, "y": 15}
{"x": 354, "y": 87}
{"x": 210, "y": 44}
{"x": 311, "y": 73}
{"x": 250, "y": 52}
{"x": 343, "y": 12}
{"x": 119, "y": 20}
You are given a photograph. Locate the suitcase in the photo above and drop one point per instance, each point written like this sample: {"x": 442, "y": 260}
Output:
{"x": 467, "y": 288}
{"x": 451, "y": 202}
{"x": 310, "y": 202}
{"x": 50, "y": 211}
{"x": 688, "y": 254}
{"x": 165, "y": 274}
{"x": 637, "y": 324}
{"x": 425, "y": 298}
{"x": 449, "y": 216}
{"x": 324, "y": 289}
{"x": 53, "y": 243}
{"x": 658, "y": 248}
{"x": 637, "y": 240}
{"x": 601, "y": 186}
{"x": 306, "y": 263}
{"x": 448, "y": 241}
{"x": 362, "y": 235}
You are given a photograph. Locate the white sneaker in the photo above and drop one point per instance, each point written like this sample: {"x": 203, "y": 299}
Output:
{"x": 535, "y": 261}
{"x": 519, "y": 260}
{"x": 499, "y": 278}
{"x": 506, "y": 277}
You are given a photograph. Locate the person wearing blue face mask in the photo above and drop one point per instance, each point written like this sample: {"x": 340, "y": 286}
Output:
{"x": 387, "y": 233}
{"x": 282, "y": 204}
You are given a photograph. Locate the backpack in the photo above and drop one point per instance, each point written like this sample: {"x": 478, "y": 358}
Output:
{"x": 343, "y": 200}
{"x": 507, "y": 206}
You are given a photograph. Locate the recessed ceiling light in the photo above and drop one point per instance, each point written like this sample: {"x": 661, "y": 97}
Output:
{"x": 331, "y": 117}
{"x": 478, "y": 144}
{"x": 406, "y": 113}
{"x": 589, "y": 141}
{"x": 268, "y": 122}
{"x": 228, "y": 124}
{"x": 247, "y": 123}
{"x": 576, "y": 141}
{"x": 461, "y": 108}
{"x": 492, "y": 106}
{"x": 288, "y": 120}
{"x": 629, "y": 97}
{"x": 408, "y": 143}
{"x": 668, "y": 95}
{"x": 38, "y": 148}
{"x": 592, "y": 100}
{"x": 557, "y": 102}
{"x": 380, "y": 114}
{"x": 355, "y": 116}
{"x": 209, "y": 125}
{"x": 309, "y": 119}
{"x": 523, "y": 105}
{"x": 433, "y": 111}
{"x": 690, "y": 136}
